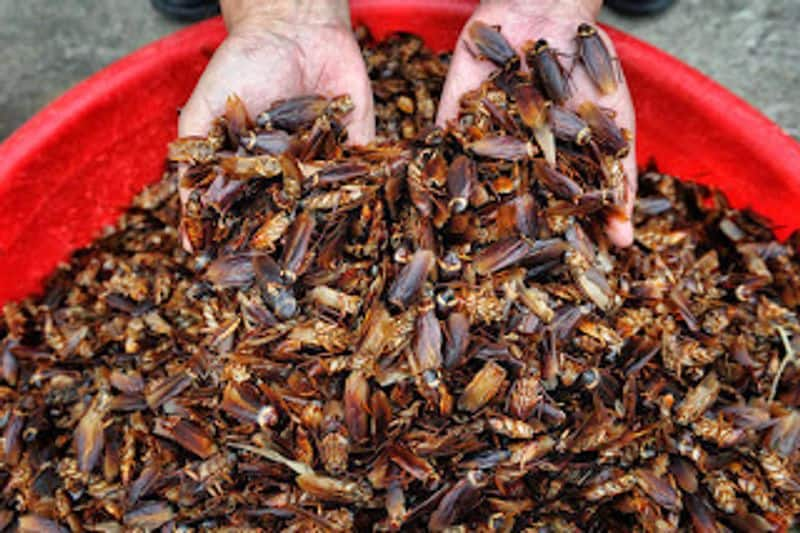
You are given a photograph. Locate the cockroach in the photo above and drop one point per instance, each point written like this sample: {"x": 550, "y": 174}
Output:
{"x": 503, "y": 147}
{"x": 609, "y": 137}
{"x": 241, "y": 402}
{"x": 700, "y": 513}
{"x": 500, "y": 116}
{"x": 334, "y": 299}
{"x": 292, "y": 177}
{"x": 333, "y": 489}
{"x": 255, "y": 166}
{"x": 778, "y": 472}
{"x": 381, "y": 414}
{"x": 345, "y": 198}
{"x": 292, "y": 114}
{"x": 396, "y": 505}
{"x": 698, "y": 399}
{"x": 610, "y": 484}
{"x": 524, "y": 453}
{"x": 409, "y": 281}
{"x": 533, "y": 110}
{"x": 502, "y": 254}
{"x": 464, "y": 495}
{"x": 416, "y": 466}
{"x": 510, "y": 427}
{"x": 483, "y": 387}
{"x": 157, "y": 393}
{"x": 427, "y": 353}
{"x": 334, "y": 444}
{"x": 543, "y": 61}
{"x": 275, "y": 142}
{"x": 460, "y": 177}
{"x": 320, "y": 142}
{"x": 418, "y": 190}
{"x": 270, "y": 232}
{"x": 596, "y": 59}
{"x": 493, "y": 46}
{"x": 568, "y": 126}
{"x": 356, "y": 405}
{"x": 723, "y": 492}
{"x": 717, "y": 430}
{"x": 298, "y": 241}
{"x": 186, "y": 434}
{"x": 237, "y": 120}
{"x": 195, "y": 150}
{"x": 684, "y": 473}
{"x": 754, "y": 488}
{"x": 337, "y": 173}
{"x": 457, "y": 339}
{"x": 89, "y": 435}
{"x": 658, "y": 489}
{"x": 12, "y": 438}
{"x": 784, "y": 436}
{"x": 557, "y": 183}
{"x": 591, "y": 281}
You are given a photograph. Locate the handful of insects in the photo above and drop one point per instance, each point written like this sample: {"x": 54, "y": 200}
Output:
{"x": 431, "y": 332}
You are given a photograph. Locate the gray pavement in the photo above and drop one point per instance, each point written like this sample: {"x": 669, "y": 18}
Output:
{"x": 47, "y": 46}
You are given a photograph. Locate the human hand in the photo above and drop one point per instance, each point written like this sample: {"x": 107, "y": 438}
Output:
{"x": 279, "y": 49}
{"x": 556, "y": 21}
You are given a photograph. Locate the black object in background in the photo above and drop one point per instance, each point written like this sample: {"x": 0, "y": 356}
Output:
{"x": 639, "y": 7}
{"x": 187, "y": 10}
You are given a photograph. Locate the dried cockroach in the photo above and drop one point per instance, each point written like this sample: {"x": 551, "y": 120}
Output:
{"x": 543, "y": 61}
{"x": 411, "y": 278}
{"x": 458, "y": 499}
{"x": 608, "y": 136}
{"x": 567, "y": 126}
{"x": 460, "y": 177}
{"x": 293, "y": 114}
{"x": 596, "y": 59}
{"x": 533, "y": 110}
{"x": 503, "y": 147}
{"x": 297, "y": 245}
{"x": 493, "y": 46}
{"x": 483, "y": 387}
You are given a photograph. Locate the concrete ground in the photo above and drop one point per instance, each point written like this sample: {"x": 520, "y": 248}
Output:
{"x": 750, "y": 46}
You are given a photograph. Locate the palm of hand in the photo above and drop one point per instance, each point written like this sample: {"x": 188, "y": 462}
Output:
{"x": 267, "y": 65}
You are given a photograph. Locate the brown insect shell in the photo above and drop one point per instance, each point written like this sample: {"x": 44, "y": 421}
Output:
{"x": 605, "y": 132}
{"x": 411, "y": 278}
{"x": 356, "y": 405}
{"x": 292, "y": 114}
{"x": 427, "y": 353}
{"x": 297, "y": 246}
{"x": 531, "y": 105}
{"x": 460, "y": 177}
{"x": 568, "y": 126}
{"x": 493, "y": 46}
{"x": 596, "y": 59}
{"x": 543, "y": 61}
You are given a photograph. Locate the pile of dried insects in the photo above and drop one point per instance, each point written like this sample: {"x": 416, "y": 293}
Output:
{"x": 431, "y": 332}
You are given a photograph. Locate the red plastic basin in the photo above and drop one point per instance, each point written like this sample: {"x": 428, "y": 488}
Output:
{"x": 74, "y": 167}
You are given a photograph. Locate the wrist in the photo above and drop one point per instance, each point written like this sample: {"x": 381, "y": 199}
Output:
{"x": 244, "y": 14}
{"x": 581, "y": 9}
